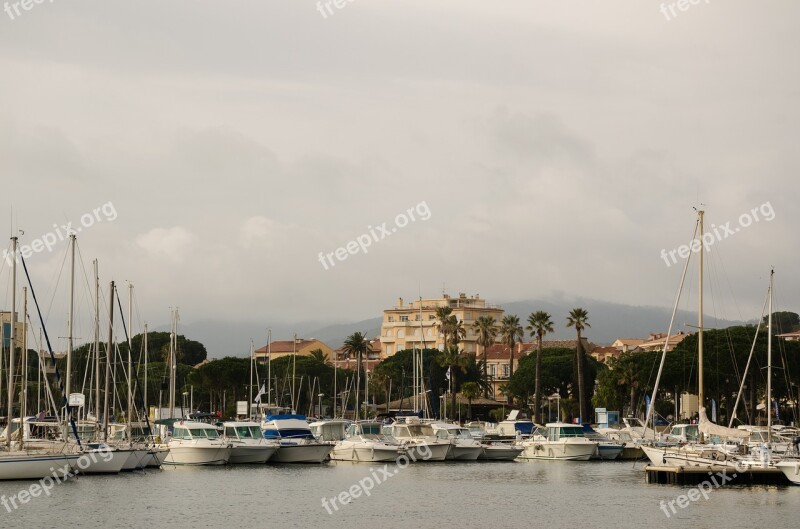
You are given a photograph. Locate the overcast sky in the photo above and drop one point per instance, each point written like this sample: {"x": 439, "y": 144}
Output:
{"x": 557, "y": 148}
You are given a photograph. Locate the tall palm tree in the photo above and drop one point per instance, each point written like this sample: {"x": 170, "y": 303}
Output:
{"x": 456, "y": 329}
{"x": 511, "y": 332}
{"x": 486, "y": 329}
{"x": 454, "y": 361}
{"x": 356, "y": 345}
{"x": 539, "y": 324}
{"x": 442, "y": 317}
{"x": 578, "y": 318}
{"x": 470, "y": 391}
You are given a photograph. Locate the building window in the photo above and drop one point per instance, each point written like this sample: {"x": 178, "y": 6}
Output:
{"x": 432, "y": 317}
{"x": 389, "y": 333}
{"x": 403, "y": 318}
{"x": 391, "y": 318}
{"x": 492, "y": 370}
{"x": 388, "y": 350}
{"x": 401, "y": 333}
{"x": 416, "y": 317}
{"x": 505, "y": 370}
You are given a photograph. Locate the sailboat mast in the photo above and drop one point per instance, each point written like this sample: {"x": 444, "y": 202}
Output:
{"x": 172, "y": 368}
{"x": 294, "y": 368}
{"x": 700, "y": 392}
{"x": 130, "y": 361}
{"x": 71, "y": 318}
{"x": 23, "y": 391}
{"x": 146, "y": 406}
{"x": 109, "y": 353}
{"x": 269, "y": 368}
{"x": 10, "y": 402}
{"x": 250, "y": 386}
{"x": 96, "y": 340}
{"x": 768, "y": 406}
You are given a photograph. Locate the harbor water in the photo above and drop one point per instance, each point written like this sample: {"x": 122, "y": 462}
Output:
{"x": 497, "y": 495}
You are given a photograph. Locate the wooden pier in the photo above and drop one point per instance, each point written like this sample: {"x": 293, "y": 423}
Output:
{"x": 694, "y": 475}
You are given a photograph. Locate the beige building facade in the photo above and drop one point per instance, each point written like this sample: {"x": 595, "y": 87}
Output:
{"x": 414, "y": 325}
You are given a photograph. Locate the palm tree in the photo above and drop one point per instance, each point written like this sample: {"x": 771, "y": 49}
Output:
{"x": 511, "y": 332}
{"x": 470, "y": 391}
{"x": 539, "y": 325}
{"x": 456, "y": 329}
{"x": 319, "y": 355}
{"x": 486, "y": 329}
{"x": 356, "y": 344}
{"x": 442, "y": 317}
{"x": 578, "y": 318}
{"x": 453, "y": 360}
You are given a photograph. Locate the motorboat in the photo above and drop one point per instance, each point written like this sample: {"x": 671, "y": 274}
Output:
{"x": 558, "y": 441}
{"x": 631, "y": 449}
{"x": 497, "y": 451}
{"x": 196, "y": 443}
{"x": 297, "y": 442}
{"x": 463, "y": 447}
{"x": 512, "y": 428}
{"x": 365, "y": 441}
{"x": 607, "y": 449}
{"x": 413, "y": 435}
{"x": 247, "y": 442}
{"x": 790, "y": 469}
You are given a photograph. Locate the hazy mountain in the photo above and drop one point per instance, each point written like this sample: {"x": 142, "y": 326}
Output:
{"x": 608, "y": 321}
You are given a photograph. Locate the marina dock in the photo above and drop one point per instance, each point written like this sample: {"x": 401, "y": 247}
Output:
{"x": 668, "y": 475}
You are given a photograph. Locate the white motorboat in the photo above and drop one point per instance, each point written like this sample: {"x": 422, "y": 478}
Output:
{"x": 196, "y": 443}
{"x": 511, "y": 429}
{"x": 413, "y": 435}
{"x": 249, "y": 445}
{"x": 297, "y": 442}
{"x": 607, "y": 449}
{"x": 462, "y": 445}
{"x": 559, "y": 441}
{"x": 364, "y": 441}
{"x": 631, "y": 449}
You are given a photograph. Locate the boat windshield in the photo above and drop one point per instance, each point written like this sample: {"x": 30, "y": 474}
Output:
{"x": 370, "y": 429}
{"x": 200, "y": 433}
{"x": 463, "y": 433}
{"x": 562, "y": 432}
{"x": 243, "y": 432}
{"x": 421, "y": 430}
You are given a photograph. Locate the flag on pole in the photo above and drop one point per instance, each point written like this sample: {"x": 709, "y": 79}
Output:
{"x": 777, "y": 416}
{"x": 447, "y": 374}
{"x": 647, "y": 402}
{"x": 713, "y": 410}
{"x": 260, "y": 392}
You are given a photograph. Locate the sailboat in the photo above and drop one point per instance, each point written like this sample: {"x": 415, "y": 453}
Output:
{"x": 718, "y": 446}
{"x": 16, "y": 461}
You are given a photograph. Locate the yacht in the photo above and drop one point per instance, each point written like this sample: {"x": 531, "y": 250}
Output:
{"x": 249, "y": 445}
{"x": 462, "y": 445}
{"x": 607, "y": 449}
{"x": 559, "y": 441}
{"x": 511, "y": 429}
{"x": 297, "y": 442}
{"x": 413, "y": 434}
{"x": 196, "y": 443}
{"x": 365, "y": 441}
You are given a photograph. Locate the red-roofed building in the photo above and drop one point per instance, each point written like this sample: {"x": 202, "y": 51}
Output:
{"x": 301, "y": 346}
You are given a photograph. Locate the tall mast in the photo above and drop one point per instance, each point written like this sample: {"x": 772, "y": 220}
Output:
{"x": 109, "y": 354}
{"x": 294, "y": 368}
{"x": 700, "y": 393}
{"x": 172, "y": 368}
{"x": 768, "y": 406}
{"x": 96, "y": 340}
{"x": 250, "y": 386}
{"x": 23, "y": 393}
{"x": 10, "y": 402}
{"x": 336, "y": 395}
{"x": 130, "y": 361}
{"x": 146, "y": 406}
{"x": 269, "y": 368}
{"x": 71, "y": 318}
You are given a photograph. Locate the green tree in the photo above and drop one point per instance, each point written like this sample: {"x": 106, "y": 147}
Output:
{"x": 443, "y": 322}
{"x": 578, "y": 318}
{"x": 356, "y": 345}
{"x": 486, "y": 329}
{"x": 455, "y": 363}
{"x": 319, "y": 355}
{"x": 539, "y": 324}
{"x": 511, "y": 332}
{"x": 470, "y": 391}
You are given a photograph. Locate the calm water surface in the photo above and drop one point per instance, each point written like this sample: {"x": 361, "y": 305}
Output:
{"x": 497, "y": 495}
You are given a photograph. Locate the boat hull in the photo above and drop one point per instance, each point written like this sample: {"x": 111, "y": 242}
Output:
{"x": 556, "y": 451}
{"x": 499, "y": 453}
{"x": 365, "y": 452}
{"x": 790, "y": 469}
{"x": 435, "y": 452}
{"x": 197, "y": 455}
{"x": 242, "y": 455}
{"x": 608, "y": 452}
{"x": 38, "y": 466}
{"x": 464, "y": 453}
{"x": 301, "y": 453}
{"x": 105, "y": 461}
